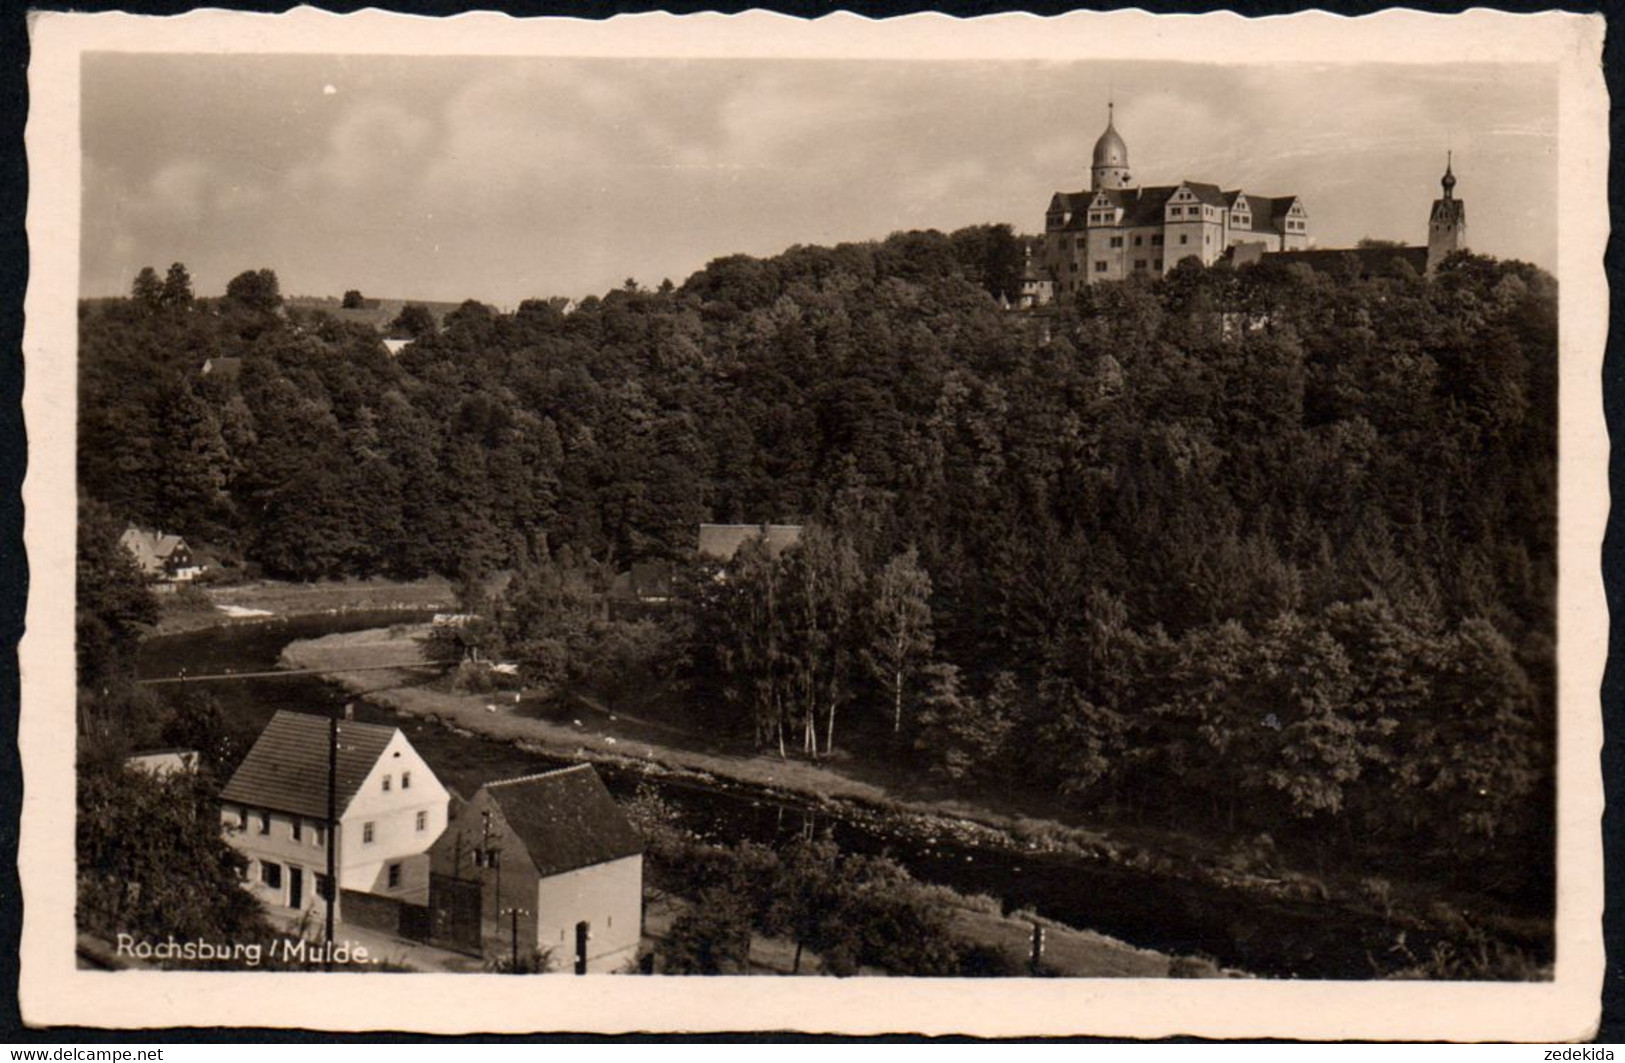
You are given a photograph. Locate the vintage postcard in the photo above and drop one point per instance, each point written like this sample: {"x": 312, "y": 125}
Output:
{"x": 1092, "y": 520}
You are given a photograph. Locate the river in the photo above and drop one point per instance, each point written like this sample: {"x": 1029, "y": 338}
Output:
{"x": 1262, "y": 935}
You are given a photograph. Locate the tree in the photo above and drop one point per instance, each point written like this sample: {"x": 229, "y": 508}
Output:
{"x": 353, "y": 300}
{"x": 152, "y": 862}
{"x": 148, "y": 290}
{"x": 177, "y": 292}
{"x": 961, "y": 734}
{"x": 900, "y": 626}
{"x": 413, "y": 322}
{"x": 712, "y": 937}
{"x": 255, "y": 290}
{"x": 113, "y": 608}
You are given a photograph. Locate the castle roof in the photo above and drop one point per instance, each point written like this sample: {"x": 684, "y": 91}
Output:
{"x": 1145, "y": 206}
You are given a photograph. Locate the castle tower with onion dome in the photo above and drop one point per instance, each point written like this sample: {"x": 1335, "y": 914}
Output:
{"x": 1110, "y": 167}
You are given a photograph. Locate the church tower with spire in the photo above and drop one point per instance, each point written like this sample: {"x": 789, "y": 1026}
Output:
{"x": 1447, "y": 225}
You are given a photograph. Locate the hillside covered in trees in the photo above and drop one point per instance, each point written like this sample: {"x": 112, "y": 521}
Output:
{"x": 1256, "y": 551}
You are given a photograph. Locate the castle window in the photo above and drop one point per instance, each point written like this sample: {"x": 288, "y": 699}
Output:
{"x": 1157, "y": 264}
{"x": 1117, "y": 241}
{"x": 1138, "y": 240}
{"x": 1080, "y": 243}
{"x": 1139, "y": 263}
{"x": 1156, "y": 240}
{"x": 1100, "y": 267}
{"x": 1184, "y": 238}
{"x": 1074, "y": 267}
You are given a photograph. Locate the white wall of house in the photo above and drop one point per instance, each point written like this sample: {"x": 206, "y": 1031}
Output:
{"x": 405, "y": 820}
{"x": 405, "y": 806}
{"x": 285, "y": 854}
{"x": 608, "y": 897}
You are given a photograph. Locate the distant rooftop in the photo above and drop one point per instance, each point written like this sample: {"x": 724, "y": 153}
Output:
{"x": 722, "y": 541}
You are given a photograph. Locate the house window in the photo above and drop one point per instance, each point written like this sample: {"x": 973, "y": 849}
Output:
{"x": 1174, "y": 212}
{"x": 1184, "y": 239}
{"x": 265, "y": 822}
{"x": 394, "y": 876}
{"x": 1157, "y": 264}
{"x": 1138, "y": 240}
{"x": 297, "y": 827}
{"x": 319, "y": 834}
{"x": 1080, "y": 242}
{"x": 1074, "y": 267}
{"x": 323, "y": 889}
{"x": 1100, "y": 267}
{"x": 366, "y": 833}
{"x": 242, "y": 817}
{"x": 406, "y": 780}
{"x": 271, "y": 874}
{"x": 386, "y": 784}
{"x": 1207, "y": 238}
{"x": 423, "y": 821}
{"x": 1117, "y": 241}
{"x": 1156, "y": 241}
{"x": 1139, "y": 263}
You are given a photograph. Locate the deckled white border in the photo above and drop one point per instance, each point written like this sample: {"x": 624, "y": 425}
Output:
{"x": 53, "y": 991}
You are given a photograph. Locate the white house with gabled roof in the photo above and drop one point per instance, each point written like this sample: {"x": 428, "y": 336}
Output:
{"x": 390, "y": 809}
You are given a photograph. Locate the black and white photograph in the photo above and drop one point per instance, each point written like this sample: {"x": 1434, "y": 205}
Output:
{"x": 1086, "y": 519}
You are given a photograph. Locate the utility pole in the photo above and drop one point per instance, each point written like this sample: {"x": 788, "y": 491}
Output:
{"x": 491, "y": 854}
{"x": 332, "y": 829}
{"x": 515, "y": 913}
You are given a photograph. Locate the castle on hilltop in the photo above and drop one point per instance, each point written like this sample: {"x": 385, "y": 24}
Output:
{"x": 1113, "y": 230}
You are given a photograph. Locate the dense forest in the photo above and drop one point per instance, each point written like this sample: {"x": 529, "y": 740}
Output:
{"x": 1257, "y": 551}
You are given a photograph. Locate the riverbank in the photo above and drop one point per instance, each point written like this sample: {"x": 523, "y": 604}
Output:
{"x": 857, "y": 794}
{"x": 631, "y": 746}
{"x": 203, "y": 606}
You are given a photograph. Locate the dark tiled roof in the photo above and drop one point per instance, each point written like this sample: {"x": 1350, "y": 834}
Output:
{"x": 566, "y": 819}
{"x": 287, "y": 769}
{"x": 1209, "y": 194}
{"x": 1278, "y": 206}
{"x": 1146, "y": 207}
{"x": 722, "y": 541}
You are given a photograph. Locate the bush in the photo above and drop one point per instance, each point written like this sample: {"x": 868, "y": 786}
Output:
{"x": 713, "y": 937}
{"x": 472, "y": 677}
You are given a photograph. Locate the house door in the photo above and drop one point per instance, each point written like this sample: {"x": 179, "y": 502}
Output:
{"x": 583, "y": 932}
{"x": 296, "y": 887}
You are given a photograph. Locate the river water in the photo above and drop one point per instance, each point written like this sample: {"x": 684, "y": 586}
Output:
{"x": 1262, "y": 935}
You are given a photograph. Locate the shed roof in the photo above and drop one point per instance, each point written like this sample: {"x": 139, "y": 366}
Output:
{"x": 287, "y": 769}
{"x": 722, "y": 541}
{"x": 566, "y": 819}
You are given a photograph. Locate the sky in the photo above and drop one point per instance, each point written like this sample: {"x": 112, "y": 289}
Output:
{"x": 503, "y": 178}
